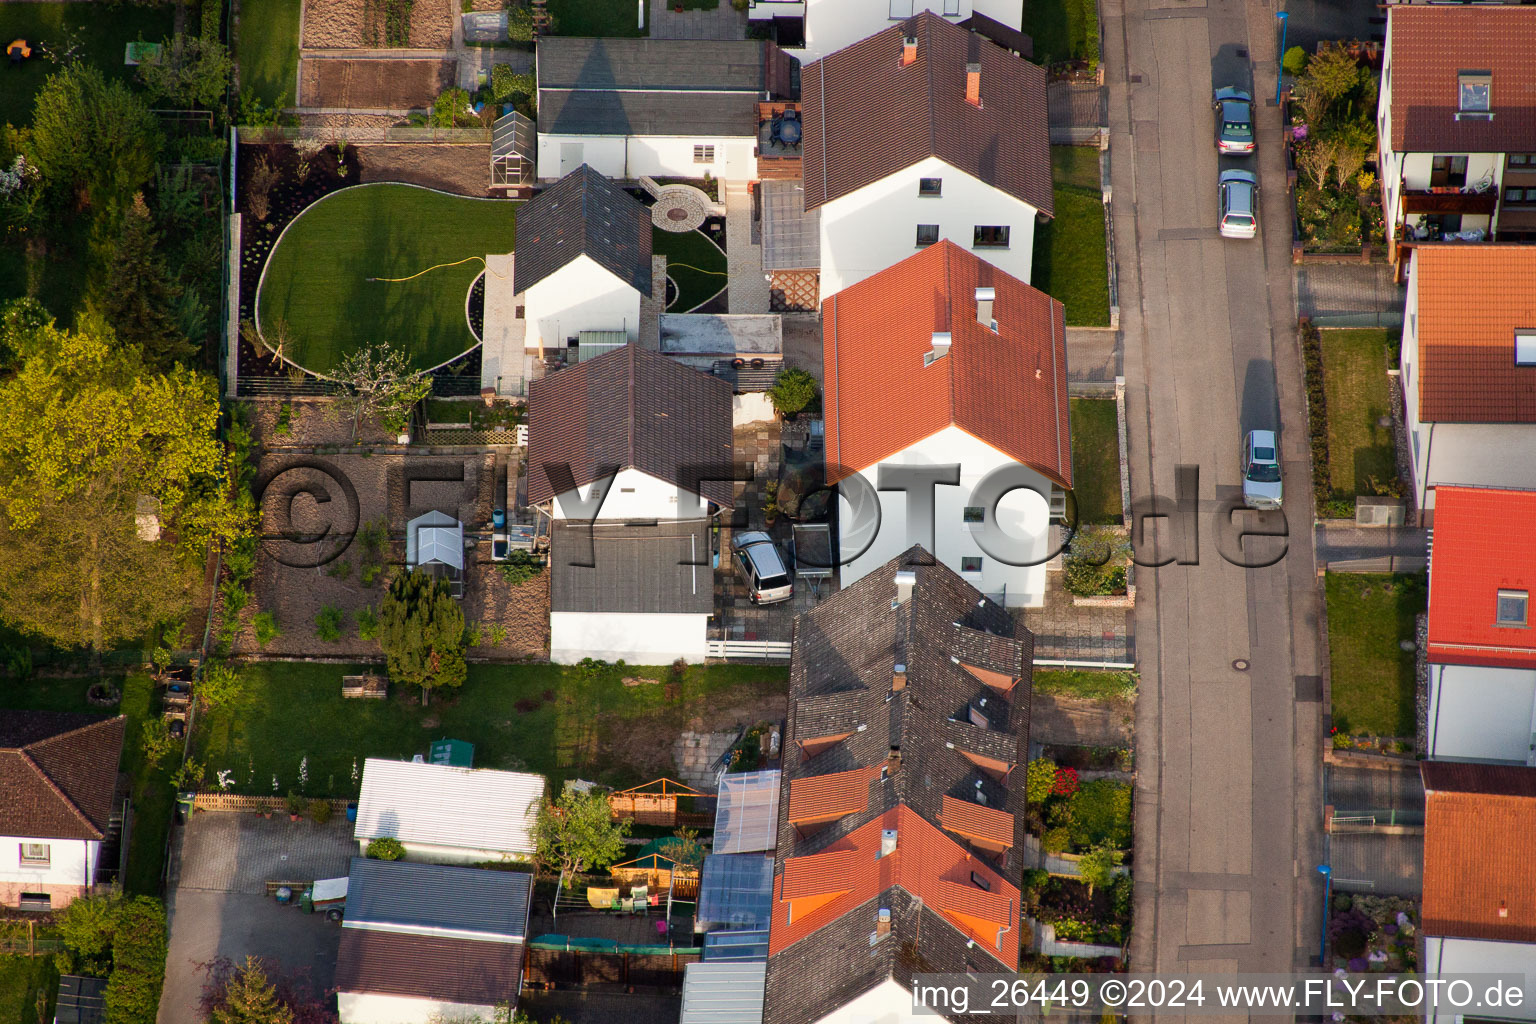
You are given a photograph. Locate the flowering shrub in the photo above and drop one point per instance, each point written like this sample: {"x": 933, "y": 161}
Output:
{"x": 1065, "y": 783}
{"x": 1039, "y": 780}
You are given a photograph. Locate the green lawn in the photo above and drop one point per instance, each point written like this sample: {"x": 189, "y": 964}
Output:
{"x": 1369, "y": 615}
{"x": 1096, "y": 460}
{"x": 27, "y": 982}
{"x": 1087, "y": 683}
{"x": 268, "y": 49}
{"x": 101, "y": 32}
{"x": 153, "y": 798}
{"x": 596, "y": 18}
{"x": 1063, "y": 30}
{"x": 290, "y": 712}
{"x": 694, "y": 263}
{"x": 1070, "y": 261}
{"x": 1355, "y": 379}
{"x": 321, "y": 278}
{"x": 1076, "y": 165}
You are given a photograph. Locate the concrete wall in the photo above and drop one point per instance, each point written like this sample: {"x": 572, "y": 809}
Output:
{"x": 1445, "y": 957}
{"x": 629, "y": 157}
{"x": 430, "y": 853}
{"x": 1021, "y": 514}
{"x": 633, "y": 494}
{"x": 640, "y": 639}
{"x": 70, "y": 869}
{"x": 580, "y": 296}
{"x": 876, "y": 227}
{"x": 1481, "y": 714}
{"x": 368, "y": 1008}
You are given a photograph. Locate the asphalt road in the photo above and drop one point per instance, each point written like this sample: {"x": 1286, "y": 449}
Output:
{"x": 1229, "y": 738}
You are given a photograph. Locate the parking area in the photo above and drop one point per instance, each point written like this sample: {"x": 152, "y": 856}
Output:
{"x": 218, "y": 905}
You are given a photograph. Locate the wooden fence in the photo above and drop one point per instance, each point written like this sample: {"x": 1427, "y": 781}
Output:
{"x": 240, "y": 803}
{"x": 576, "y": 968}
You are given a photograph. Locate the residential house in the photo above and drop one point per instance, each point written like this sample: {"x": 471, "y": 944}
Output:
{"x": 58, "y": 780}
{"x": 583, "y": 263}
{"x": 425, "y": 941}
{"x": 630, "y": 434}
{"x": 683, "y": 108}
{"x": 811, "y": 29}
{"x": 1482, "y": 638}
{"x": 979, "y": 361}
{"x": 1469, "y": 367}
{"x": 924, "y": 131}
{"x": 1479, "y": 910}
{"x": 901, "y": 832}
{"x": 640, "y": 592}
{"x": 1457, "y": 142}
{"x": 446, "y": 815}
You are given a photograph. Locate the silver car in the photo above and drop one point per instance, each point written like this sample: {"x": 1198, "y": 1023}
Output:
{"x": 1239, "y": 191}
{"x": 1234, "y": 122}
{"x": 1261, "y": 470}
{"x": 762, "y": 568}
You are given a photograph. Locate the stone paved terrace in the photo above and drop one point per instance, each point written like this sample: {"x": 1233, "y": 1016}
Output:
{"x": 748, "y": 288}
{"x": 724, "y": 22}
{"x": 1068, "y": 632}
{"x": 1349, "y": 294}
{"x": 233, "y": 852}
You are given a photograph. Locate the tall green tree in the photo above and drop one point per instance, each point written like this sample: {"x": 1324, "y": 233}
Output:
{"x": 138, "y": 296}
{"x": 138, "y": 962}
{"x": 421, "y": 630}
{"x": 189, "y": 71}
{"x": 378, "y": 382}
{"x": 578, "y": 833}
{"x": 250, "y": 997}
{"x": 89, "y": 433}
{"x": 1097, "y": 867}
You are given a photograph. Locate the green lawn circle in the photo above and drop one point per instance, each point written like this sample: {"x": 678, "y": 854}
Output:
{"x": 317, "y": 278}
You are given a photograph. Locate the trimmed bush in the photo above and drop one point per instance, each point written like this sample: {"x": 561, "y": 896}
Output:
{"x": 386, "y": 848}
{"x": 320, "y": 811}
{"x": 1039, "y": 779}
{"x": 1101, "y": 814}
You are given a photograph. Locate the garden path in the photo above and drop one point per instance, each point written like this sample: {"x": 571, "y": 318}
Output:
{"x": 748, "y": 288}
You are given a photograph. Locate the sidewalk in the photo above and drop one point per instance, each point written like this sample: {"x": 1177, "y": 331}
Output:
{"x": 1345, "y": 547}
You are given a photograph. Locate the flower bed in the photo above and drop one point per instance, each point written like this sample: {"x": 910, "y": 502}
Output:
{"x": 1331, "y": 134}
{"x": 1074, "y": 816}
{"x": 1102, "y": 917}
{"x": 1373, "y": 933}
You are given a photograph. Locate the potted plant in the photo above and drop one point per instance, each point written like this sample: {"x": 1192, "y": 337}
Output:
{"x": 295, "y": 806}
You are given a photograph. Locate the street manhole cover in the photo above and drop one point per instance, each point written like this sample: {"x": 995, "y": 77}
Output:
{"x": 1241, "y": 664}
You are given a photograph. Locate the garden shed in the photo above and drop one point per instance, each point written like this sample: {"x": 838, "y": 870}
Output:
{"x": 654, "y": 803}
{"x": 434, "y": 543}
{"x": 657, "y": 871}
{"x": 448, "y": 815}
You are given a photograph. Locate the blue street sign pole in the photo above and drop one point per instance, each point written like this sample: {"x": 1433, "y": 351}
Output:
{"x": 1322, "y": 946}
{"x": 1280, "y": 71}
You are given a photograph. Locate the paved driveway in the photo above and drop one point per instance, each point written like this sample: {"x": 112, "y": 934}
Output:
{"x": 241, "y": 852}
{"x": 1228, "y": 809}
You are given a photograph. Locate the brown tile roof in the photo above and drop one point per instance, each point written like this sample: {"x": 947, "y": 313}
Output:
{"x": 584, "y": 213}
{"x": 429, "y": 967}
{"x": 831, "y": 795}
{"x": 969, "y": 818}
{"x": 1478, "y": 823}
{"x": 1008, "y": 388}
{"x": 1429, "y": 45}
{"x": 58, "y": 772}
{"x": 867, "y": 115}
{"x": 1472, "y": 299}
{"x": 631, "y": 408}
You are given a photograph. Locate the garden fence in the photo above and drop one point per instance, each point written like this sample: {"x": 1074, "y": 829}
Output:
{"x": 439, "y": 136}
{"x": 241, "y": 804}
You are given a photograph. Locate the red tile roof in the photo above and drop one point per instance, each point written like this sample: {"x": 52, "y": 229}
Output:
{"x": 58, "y": 772}
{"x": 1008, "y": 389}
{"x": 1430, "y": 44}
{"x": 868, "y": 115}
{"x": 1472, "y": 299}
{"x": 926, "y": 863}
{"x": 1485, "y": 541}
{"x": 830, "y": 796}
{"x": 974, "y": 820}
{"x": 1478, "y": 823}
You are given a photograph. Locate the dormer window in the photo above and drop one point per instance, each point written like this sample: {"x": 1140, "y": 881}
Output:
{"x": 1475, "y": 90}
{"x": 1525, "y": 348}
{"x": 1512, "y": 607}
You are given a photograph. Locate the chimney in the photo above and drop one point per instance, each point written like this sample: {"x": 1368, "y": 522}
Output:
{"x": 973, "y": 84}
{"x": 883, "y": 921}
{"x": 887, "y": 842}
{"x": 906, "y": 579}
{"x": 899, "y": 677}
{"x": 1503, "y": 909}
{"x": 908, "y": 50}
{"x": 893, "y": 759}
{"x": 984, "y": 299}
{"x": 941, "y": 340}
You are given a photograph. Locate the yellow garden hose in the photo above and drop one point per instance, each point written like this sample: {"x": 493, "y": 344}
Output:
{"x": 397, "y": 280}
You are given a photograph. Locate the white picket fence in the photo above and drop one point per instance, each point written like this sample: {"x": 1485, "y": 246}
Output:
{"x": 750, "y": 650}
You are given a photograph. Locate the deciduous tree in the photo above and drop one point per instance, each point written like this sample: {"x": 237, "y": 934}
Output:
{"x": 189, "y": 71}
{"x": 378, "y": 382}
{"x": 1097, "y": 867}
{"x": 578, "y": 833}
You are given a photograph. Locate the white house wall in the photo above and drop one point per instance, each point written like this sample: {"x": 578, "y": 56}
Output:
{"x": 1021, "y": 514}
{"x": 580, "y": 296}
{"x": 831, "y": 25}
{"x": 628, "y": 157}
{"x": 71, "y": 862}
{"x": 432, "y": 853}
{"x": 886, "y": 1003}
{"x": 1481, "y": 714}
{"x": 876, "y": 227}
{"x": 1444, "y": 957}
{"x": 373, "y": 1008}
{"x": 633, "y": 494}
{"x": 638, "y": 638}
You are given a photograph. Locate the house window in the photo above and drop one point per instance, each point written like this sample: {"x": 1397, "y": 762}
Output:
{"x": 952, "y": 7}
{"x": 1447, "y": 171}
{"x": 970, "y": 564}
{"x": 703, "y": 154}
{"x": 1475, "y": 89}
{"x": 901, "y": 8}
{"x": 34, "y": 854}
{"x": 1512, "y": 607}
{"x": 975, "y": 515}
{"x": 930, "y": 186}
{"x": 990, "y": 236}
{"x": 927, "y": 234}
{"x": 41, "y": 901}
{"x": 1522, "y": 159}
{"x": 1520, "y": 197}
{"x": 1525, "y": 348}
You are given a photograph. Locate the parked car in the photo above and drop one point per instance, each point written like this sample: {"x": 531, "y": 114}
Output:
{"x": 1239, "y": 191}
{"x": 762, "y": 568}
{"x": 1234, "y": 121}
{"x": 1261, "y": 470}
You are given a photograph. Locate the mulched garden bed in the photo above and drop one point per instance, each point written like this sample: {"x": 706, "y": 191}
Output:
{"x": 1103, "y": 918}
{"x": 1090, "y": 759}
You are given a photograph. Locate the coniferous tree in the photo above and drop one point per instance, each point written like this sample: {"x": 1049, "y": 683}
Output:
{"x": 421, "y": 630}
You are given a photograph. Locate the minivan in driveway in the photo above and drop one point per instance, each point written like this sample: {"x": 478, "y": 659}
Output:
{"x": 1239, "y": 191}
{"x": 762, "y": 568}
{"x": 1261, "y": 470}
